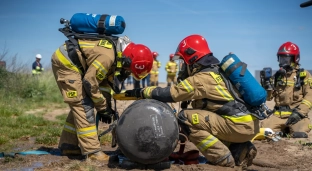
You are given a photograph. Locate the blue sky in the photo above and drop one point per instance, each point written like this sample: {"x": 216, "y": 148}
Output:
{"x": 252, "y": 29}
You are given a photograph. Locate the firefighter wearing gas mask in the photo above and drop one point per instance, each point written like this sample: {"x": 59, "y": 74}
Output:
{"x": 291, "y": 90}
{"x": 219, "y": 126}
{"x": 155, "y": 70}
{"x": 79, "y": 79}
{"x": 171, "y": 68}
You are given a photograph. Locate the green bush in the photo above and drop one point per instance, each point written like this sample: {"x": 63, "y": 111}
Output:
{"x": 20, "y": 91}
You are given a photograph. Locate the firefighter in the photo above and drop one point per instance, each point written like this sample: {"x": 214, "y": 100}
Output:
{"x": 171, "y": 68}
{"x": 36, "y": 66}
{"x": 154, "y": 72}
{"x": 79, "y": 78}
{"x": 292, "y": 94}
{"x": 220, "y": 126}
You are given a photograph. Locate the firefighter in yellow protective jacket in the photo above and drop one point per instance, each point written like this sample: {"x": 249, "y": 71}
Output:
{"x": 292, "y": 94}
{"x": 78, "y": 77}
{"x": 171, "y": 68}
{"x": 154, "y": 72}
{"x": 219, "y": 126}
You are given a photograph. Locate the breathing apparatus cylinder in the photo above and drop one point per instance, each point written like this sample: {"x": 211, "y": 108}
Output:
{"x": 96, "y": 23}
{"x": 147, "y": 131}
{"x": 252, "y": 92}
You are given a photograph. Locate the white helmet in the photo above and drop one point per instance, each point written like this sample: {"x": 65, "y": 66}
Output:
{"x": 38, "y": 56}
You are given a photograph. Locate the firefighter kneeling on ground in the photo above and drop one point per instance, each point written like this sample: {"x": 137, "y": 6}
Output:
{"x": 171, "y": 68}
{"x": 218, "y": 125}
{"x": 292, "y": 93}
{"x": 78, "y": 79}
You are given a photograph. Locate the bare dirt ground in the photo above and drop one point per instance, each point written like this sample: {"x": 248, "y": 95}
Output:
{"x": 286, "y": 154}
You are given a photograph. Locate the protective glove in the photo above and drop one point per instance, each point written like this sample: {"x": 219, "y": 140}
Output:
{"x": 106, "y": 115}
{"x": 137, "y": 92}
{"x": 184, "y": 104}
{"x": 294, "y": 118}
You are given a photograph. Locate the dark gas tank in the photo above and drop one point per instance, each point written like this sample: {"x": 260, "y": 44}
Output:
{"x": 147, "y": 131}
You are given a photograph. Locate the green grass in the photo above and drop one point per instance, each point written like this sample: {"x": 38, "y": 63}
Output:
{"x": 61, "y": 117}
{"x": 106, "y": 139}
{"x": 20, "y": 92}
{"x": 14, "y": 128}
{"x": 304, "y": 143}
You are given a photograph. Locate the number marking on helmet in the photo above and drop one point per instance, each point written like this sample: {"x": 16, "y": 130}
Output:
{"x": 184, "y": 43}
{"x": 141, "y": 67}
{"x": 295, "y": 48}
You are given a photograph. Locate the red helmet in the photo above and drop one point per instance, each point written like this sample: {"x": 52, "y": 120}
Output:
{"x": 192, "y": 48}
{"x": 155, "y": 54}
{"x": 141, "y": 60}
{"x": 171, "y": 56}
{"x": 289, "y": 49}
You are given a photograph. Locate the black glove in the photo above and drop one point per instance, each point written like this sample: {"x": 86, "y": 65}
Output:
{"x": 294, "y": 118}
{"x": 184, "y": 104}
{"x": 106, "y": 115}
{"x": 137, "y": 92}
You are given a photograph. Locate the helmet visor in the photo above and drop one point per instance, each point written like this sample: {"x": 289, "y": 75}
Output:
{"x": 182, "y": 66}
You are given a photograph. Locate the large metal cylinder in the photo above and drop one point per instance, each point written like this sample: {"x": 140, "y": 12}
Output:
{"x": 147, "y": 131}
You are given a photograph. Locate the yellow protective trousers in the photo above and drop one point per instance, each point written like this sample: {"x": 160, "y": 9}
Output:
{"x": 171, "y": 79}
{"x": 154, "y": 79}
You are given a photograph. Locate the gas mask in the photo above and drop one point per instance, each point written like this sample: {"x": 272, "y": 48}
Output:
{"x": 183, "y": 71}
{"x": 186, "y": 70}
{"x": 124, "y": 74}
{"x": 286, "y": 62}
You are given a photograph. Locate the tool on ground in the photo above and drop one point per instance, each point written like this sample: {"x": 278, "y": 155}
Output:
{"x": 267, "y": 134}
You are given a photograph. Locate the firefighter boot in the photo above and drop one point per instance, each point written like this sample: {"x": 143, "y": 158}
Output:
{"x": 70, "y": 150}
{"x": 99, "y": 156}
{"x": 243, "y": 153}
